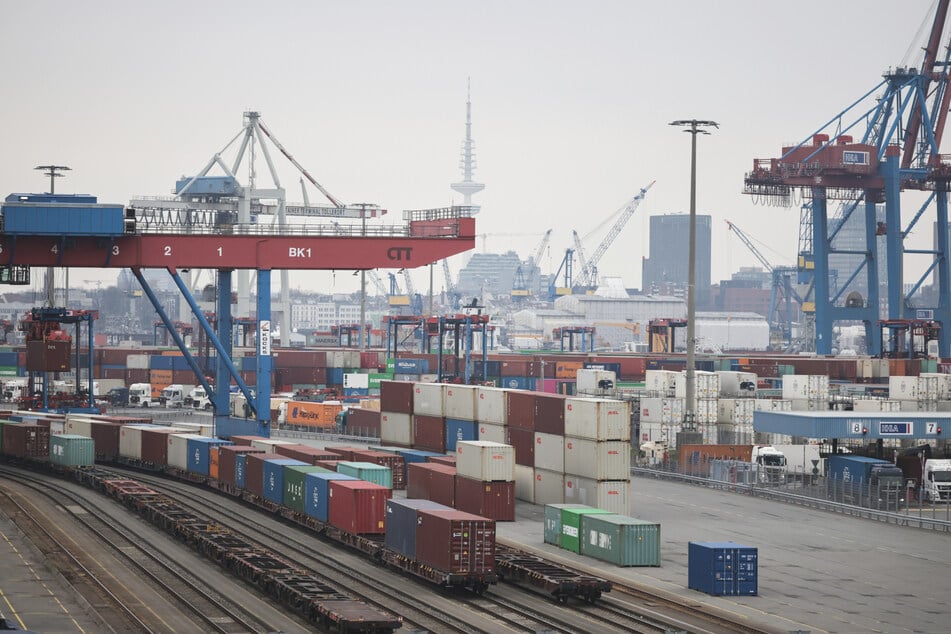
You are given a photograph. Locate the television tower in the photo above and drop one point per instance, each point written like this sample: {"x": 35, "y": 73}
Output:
{"x": 467, "y": 187}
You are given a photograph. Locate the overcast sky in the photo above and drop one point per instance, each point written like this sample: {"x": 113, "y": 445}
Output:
{"x": 571, "y": 103}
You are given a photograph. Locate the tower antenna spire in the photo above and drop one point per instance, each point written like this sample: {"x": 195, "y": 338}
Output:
{"x": 467, "y": 187}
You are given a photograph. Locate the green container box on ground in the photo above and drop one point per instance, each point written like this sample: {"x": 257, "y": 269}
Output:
{"x": 553, "y": 521}
{"x": 571, "y": 526}
{"x": 294, "y": 484}
{"x": 72, "y": 450}
{"x": 378, "y": 474}
{"x": 621, "y": 540}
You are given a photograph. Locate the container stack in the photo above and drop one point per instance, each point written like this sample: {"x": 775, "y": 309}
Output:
{"x": 485, "y": 479}
{"x": 917, "y": 393}
{"x": 660, "y": 382}
{"x": 808, "y": 392}
{"x": 661, "y": 420}
{"x": 598, "y": 453}
{"x": 588, "y": 381}
{"x": 601, "y": 534}
{"x": 396, "y": 413}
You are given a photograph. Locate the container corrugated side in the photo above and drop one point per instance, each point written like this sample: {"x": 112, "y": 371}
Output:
{"x": 367, "y": 471}
{"x": 571, "y": 525}
{"x": 549, "y": 452}
{"x": 494, "y": 500}
{"x": 493, "y": 432}
{"x": 722, "y": 568}
{"x": 525, "y": 483}
{"x": 458, "y": 429}
{"x": 401, "y": 522}
{"x": 553, "y": 521}
{"x": 317, "y": 493}
{"x": 611, "y": 495}
{"x": 597, "y": 419}
{"x": 486, "y": 461}
{"x": 396, "y": 428}
{"x": 460, "y": 401}
{"x": 177, "y": 452}
{"x": 273, "y": 487}
{"x": 621, "y": 540}
{"x": 72, "y": 450}
{"x": 428, "y": 399}
{"x": 358, "y": 507}
{"x": 549, "y": 487}
{"x": 294, "y": 477}
{"x": 455, "y": 542}
{"x": 604, "y": 460}
{"x": 491, "y": 406}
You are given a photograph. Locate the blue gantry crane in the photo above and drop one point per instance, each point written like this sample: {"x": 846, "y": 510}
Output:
{"x": 886, "y": 142}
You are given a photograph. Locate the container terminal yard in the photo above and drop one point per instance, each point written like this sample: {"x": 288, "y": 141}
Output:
{"x": 560, "y": 454}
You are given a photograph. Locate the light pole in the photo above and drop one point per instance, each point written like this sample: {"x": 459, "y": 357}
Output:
{"x": 54, "y": 172}
{"x": 694, "y": 127}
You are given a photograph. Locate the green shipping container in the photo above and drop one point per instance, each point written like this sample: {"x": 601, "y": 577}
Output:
{"x": 378, "y": 474}
{"x": 390, "y": 366}
{"x": 72, "y": 450}
{"x": 553, "y": 521}
{"x": 621, "y": 540}
{"x": 8, "y": 370}
{"x": 294, "y": 485}
{"x": 376, "y": 377}
{"x": 571, "y": 526}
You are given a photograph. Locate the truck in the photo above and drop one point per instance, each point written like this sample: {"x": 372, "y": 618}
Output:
{"x": 13, "y": 389}
{"x": 803, "y": 462}
{"x": 117, "y": 397}
{"x": 864, "y": 481}
{"x": 198, "y": 399}
{"x": 174, "y": 395}
{"x": 770, "y": 463}
{"x": 140, "y": 395}
{"x": 929, "y": 477}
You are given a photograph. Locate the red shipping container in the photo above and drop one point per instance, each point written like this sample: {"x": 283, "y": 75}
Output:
{"x": 105, "y": 438}
{"x": 429, "y": 433}
{"x": 494, "y": 500}
{"x": 226, "y": 460}
{"x": 290, "y": 358}
{"x": 358, "y": 507}
{"x": 396, "y": 396}
{"x": 329, "y": 464}
{"x": 27, "y": 440}
{"x": 370, "y": 360}
{"x": 518, "y": 367}
{"x": 155, "y": 445}
{"x": 395, "y": 462}
{"x": 113, "y": 373}
{"x": 449, "y": 461}
{"x": 524, "y": 442}
{"x": 364, "y": 422}
{"x": 521, "y": 409}
{"x": 184, "y": 377}
{"x": 550, "y": 414}
{"x": 245, "y": 440}
{"x": 428, "y": 481}
{"x": 254, "y": 471}
{"x": 113, "y": 356}
{"x": 305, "y": 453}
{"x": 455, "y": 541}
{"x": 48, "y": 356}
{"x": 346, "y": 453}
{"x": 136, "y": 375}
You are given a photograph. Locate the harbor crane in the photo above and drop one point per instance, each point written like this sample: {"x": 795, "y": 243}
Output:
{"x": 526, "y": 285}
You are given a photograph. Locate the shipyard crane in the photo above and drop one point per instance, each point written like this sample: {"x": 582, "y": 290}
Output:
{"x": 589, "y": 269}
{"x": 526, "y": 285}
{"x": 579, "y": 250}
{"x": 885, "y": 142}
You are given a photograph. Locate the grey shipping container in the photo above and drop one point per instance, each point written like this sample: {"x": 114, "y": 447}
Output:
{"x": 553, "y": 521}
{"x": 621, "y": 540}
{"x": 401, "y": 524}
{"x": 71, "y": 450}
{"x": 722, "y": 568}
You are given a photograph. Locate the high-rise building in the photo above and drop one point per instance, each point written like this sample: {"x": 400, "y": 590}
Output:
{"x": 850, "y": 236}
{"x": 492, "y": 272}
{"x": 665, "y": 270}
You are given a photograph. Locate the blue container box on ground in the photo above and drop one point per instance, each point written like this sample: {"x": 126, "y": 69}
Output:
{"x": 199, "y": 453}
{"x": 401, "y": 524}
{"x": 274, "y": 478}
{"x": 317, "y": 493}
{"x": 458, "y": 429}
{"x": 722, "y": 568}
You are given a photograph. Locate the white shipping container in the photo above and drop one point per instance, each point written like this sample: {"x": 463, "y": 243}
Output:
{"x": 706, "y": 410}
{"x": 427, "y": 378}
{"x": 864, "y": 368}
{"x": 806, "y": 386}
{"x": 662, "y": 410}
{"x": 807, "y": 405}
{"x": 706, "y": 385}
{"x": 356, "y": 381}
{"x": 428, "y": 399}
{"x": 943, "y": 388}
{"x": 268, "y": 444}
{"x": 598, "y": 460}
{"x": 78, "y": 426}
{"x": 772, "y": 405}
{"x": 549, "y": 487}
{"x": 659, "y": 432}
{"x": 597, "y": 419}
{"x": 178, "y": 450}
{"x": 943, "y": 406}
{"x": 587, "y": 380}
{"x": 735, "y": 410}
{"x": 396, "y": 428}
{"x": 734, "y": 384}
{"x": 876, "y": 405}
{"x": 194, "y": 428}
{"x": 494, "y": 433}
{"x": 549, "y": 452}
{"x": 485, "y": 461}
{"x": 459, "y": 401}
{"x": 919, "y": 406}
{"x": 609, "y": 495}
{"x": 524, "y": 483}
{"x": 663, "y": 381}
{"x": 137, "y": 362}
{"x": 709, "y": 434}
{"x": 491, "y": 406}
{"x": 130, "y": 440}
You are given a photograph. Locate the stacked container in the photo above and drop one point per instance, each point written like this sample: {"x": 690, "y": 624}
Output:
{"x": 294, "y": 488}
{"x": 396, "y": 409}
{"x": 402, "y": 521}
{"x": 227, "y": 461}
{"x": 485, "y": 479}
{"x": 455, "y": 541}
{"x": 597, "y": 453}
{"x": 808, "y": 392}
{"x": 430, "y": 481}
{"x": 317, "y": 493}
{"x": 917, "y": 393}
{"x": 367, "y": 471}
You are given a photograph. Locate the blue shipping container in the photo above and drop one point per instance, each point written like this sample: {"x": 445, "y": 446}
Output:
{"x": 199, "y": 453}
{"x": 274, "y": 477}
{"x": 458, "y": 429}
{"x": 334, "y": 376}
{"x": 180, "y": 363}
{"x": 722, "y": 568}
{"x": 240, "y": 470}
{"x": 401, "y": 524}
{"x": 410, "y": 366}
{"x": 160, "y": 362}
{"x": 8, "y": 358}
{"x": 517, "y": 382}
{"x": 610, "y": 367}
{"x": 70, "y": 219}
{"x": 356, "y": 391}
{"x": 417, "y": 455}
{"x": 215, "y": 185}
{"x": 249, "y": 364}
{"x": 317, "y": 493}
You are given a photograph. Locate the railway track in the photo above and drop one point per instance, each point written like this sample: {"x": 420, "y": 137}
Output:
{"x": 116, "y": 603}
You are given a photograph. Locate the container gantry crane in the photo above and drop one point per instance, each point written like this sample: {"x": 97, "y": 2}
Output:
{"x": 526, "y": 285}
{"x": 899, "y": 125}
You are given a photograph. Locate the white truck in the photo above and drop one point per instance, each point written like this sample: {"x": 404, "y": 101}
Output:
{"x": 174, "y": 395}
{"x": 937, "y": 480}
{"x": 198, "y": 399}
{"x": 14, "y": 389}
{"x": 772, "y": 463}
{"x": 140, "y": 395}
{"x": 803, "y": 462}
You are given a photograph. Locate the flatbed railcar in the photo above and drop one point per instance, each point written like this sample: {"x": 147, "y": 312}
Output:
{"x": 561, "y": 582}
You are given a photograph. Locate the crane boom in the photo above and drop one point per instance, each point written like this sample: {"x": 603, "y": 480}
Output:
{"x": 589, "y": 274}
{"x": 579, "y": 251}
{"x": 749, "y": 245}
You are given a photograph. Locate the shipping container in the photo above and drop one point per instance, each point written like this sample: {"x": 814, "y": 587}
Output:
{"x": 518, "y": 382}
{"x": 552, "y": 529}
{"x": 598, "y": 460}
{"x": 662, "y": 410}
{"x": 493, "y": 433}
{"x": 550, "y": 414}
{"x": 455, "y": 541}
{"x": 177, "y": 450}
{"x": 620, "y": 540}
{"x": 722, "y": 568}
{"x": 429, "y": 433}
{"x": 610, "y": 495}
{"x": 358, "y": 507}
{"x": 401, "y": 523}
{"x": 227, "y": 455}
{"x": 294, "y": 477}
{"x": 317, "y": 493}
{"x": 521, "y": 410}
{"x": 274, "y": 477}
{"x": 735, "y": 384}
{"x": 806, "y": 386}
{"x": 738, "y": 411}
{"x": 491, "y": 406}
{"x": 485, "y": 461}
{"x": 525, "y": 483}
{"x": 269, "y": 444}
{"x": 343, "y": 453}
{"x": 460, "y": 401}
{"x": 597, "y": 419}
{"x": 393, "y": 461}
{"x": 431, "y": 481}
{"x": 590, "y": 380}
{"x": 313, "y": 414}
{"x": 571, "y": 525}
{"x": 523, "y": 440}
{"x": 416, "y": 455}
{"x": 661, "y": 382}
{"x": 254, "y": 470}
{"x": 549, "y": 487}
{"x": 367, "y": 471}
{"x": 549, "y": 452}
{"x": 155, "y": 445}
{"x": 304, "y": 453}
{"x": 396, "y": 428}
{"x": 494, "y": 500}
{"x": 457, "y": 430}
{"x": 449, "y": 461}
{"x": 72, "y": 450}
{"x": 429, "y": 399}
{"x": 706, "y": 385}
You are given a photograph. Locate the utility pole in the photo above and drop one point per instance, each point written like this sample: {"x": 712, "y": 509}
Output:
{"x": 693, "y": 127}
{"x": 54, "y": 172}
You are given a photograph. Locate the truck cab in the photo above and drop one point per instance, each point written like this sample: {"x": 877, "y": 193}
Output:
{"x": 174, "y": 395}
{"x": 117, "y": 397}
{"x": 198, "y": 399}
{"x": 140, "y": 395}
{"x": 771, "y": 462}
{"x": 937, "y": 480}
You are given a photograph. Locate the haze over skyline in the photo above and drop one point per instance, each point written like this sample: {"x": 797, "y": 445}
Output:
{"x": 571, "y": 105}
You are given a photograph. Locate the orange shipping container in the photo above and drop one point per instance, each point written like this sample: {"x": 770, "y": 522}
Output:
{"x": 160, "y": 376}
{"x": 567, "y": 369}
{"x": 213, "y": 462}
{"x": 172, "y": 353}
{"x": 695, "y": 459}
{"x": 311, "y": 414}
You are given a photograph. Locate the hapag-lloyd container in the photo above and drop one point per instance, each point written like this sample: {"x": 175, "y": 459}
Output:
{"x": 494, "y": 500}
{"x": 598, "y": 460}
{"x": 401, "y": 522}
{"x": 396, "y": 428}
{"x": 130, "y": 440}
{"x": 492, "y": 433}
{"x": 550, "y": 414}
{"x": 491, "y": 406}
{"x": 455, "y": 541}
{"x": 549, "y": 452}
{"x": 571, "y": 525}
{"x": 662, "y": 410}
{"x": 429, "y": 481}
{"x": 485, "y": 461}
{"x": 358, "y": 507}
{"x": 177, "y": 451}
{"x": 549, "y": 487}
{"x": 621, "y": 540}
{"x": 227, "y": 462}
{"x": 610, "y": 495}
{"x": 806, "y": 386}
{"x": 273, "y": 487}
{"x": 553, "y": 521}
{"x": 460, "y": 401}
{"x": 428, "y": 399}
{"x": 317, "y": 493}
{"x": 597, "y": 419}
{"x": 458, "y": 430}
{"x": 524, "y": 442}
